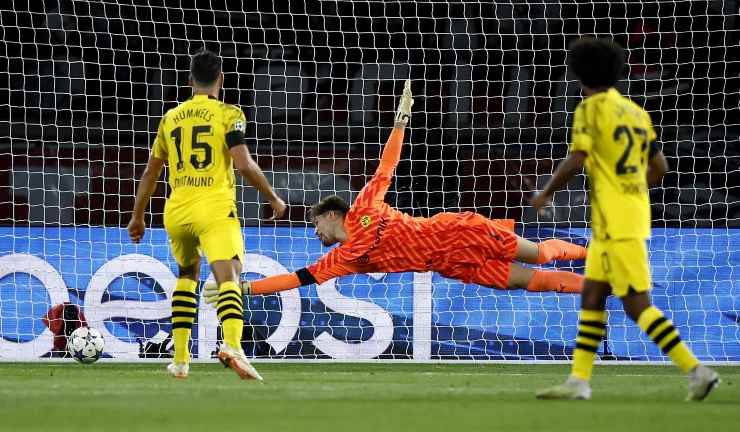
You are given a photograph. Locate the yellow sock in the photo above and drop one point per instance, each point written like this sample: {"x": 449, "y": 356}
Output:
{"x": 231, "y": 313}
{"x": 184, "y": 306}
{"x": 591, "y": 330}
{"x": 661, "y": 331}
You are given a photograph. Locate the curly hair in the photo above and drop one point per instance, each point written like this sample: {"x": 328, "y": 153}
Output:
{"x": 596, "y": 62}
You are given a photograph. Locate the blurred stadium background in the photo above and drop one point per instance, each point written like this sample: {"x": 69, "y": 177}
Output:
{"x": 85, "y": 82}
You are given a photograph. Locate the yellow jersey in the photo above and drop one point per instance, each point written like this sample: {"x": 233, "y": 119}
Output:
{"x": 618, "y": 137}
{"x": 195, "y": 138}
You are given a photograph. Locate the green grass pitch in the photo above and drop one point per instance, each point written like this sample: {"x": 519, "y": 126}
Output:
{"x": 354, "y": 397}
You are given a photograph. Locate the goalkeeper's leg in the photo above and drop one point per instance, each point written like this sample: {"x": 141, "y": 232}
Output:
{"x": 547, "y": 251}
{"x": 543, "y": 280}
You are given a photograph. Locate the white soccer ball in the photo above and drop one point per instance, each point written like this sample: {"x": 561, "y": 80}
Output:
{"x": 85, "y": 345}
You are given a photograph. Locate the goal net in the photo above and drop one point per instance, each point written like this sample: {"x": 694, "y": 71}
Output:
{"x": 83, "y": 85}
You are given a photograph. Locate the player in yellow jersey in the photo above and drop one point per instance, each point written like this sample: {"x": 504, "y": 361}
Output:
{"x": 614, "y": 138}
{"x": 202, "y": 140}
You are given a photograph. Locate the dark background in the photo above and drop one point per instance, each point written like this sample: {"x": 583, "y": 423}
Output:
{"x": 84, "y": 83}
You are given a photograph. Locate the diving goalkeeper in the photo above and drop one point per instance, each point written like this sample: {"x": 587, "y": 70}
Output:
{"x": 375, "y": 237}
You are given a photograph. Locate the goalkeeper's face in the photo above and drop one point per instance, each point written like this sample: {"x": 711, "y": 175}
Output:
{"x": 328, "y": 226}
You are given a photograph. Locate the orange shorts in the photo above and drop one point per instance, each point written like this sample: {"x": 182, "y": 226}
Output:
{"x": 481, "y": 252}
{"x": 493, "y": 273}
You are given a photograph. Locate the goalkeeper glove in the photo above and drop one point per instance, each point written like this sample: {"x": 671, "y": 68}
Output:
{"x": 403, "y": 115}
{"x": 210, "y": 291}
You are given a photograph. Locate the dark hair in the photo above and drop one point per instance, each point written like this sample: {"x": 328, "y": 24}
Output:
{"x": 597, "y": 63}
{"x": 330, "y": 203}
{"x": 205, "y": 67}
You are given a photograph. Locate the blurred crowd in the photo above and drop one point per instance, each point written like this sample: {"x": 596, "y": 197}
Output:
{"x": 318, "y": 79}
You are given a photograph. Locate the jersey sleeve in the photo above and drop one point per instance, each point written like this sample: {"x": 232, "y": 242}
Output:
{"x": 159, "y": 148}
{"x": 652, "y": 137}
{"x": 331, "y": 265}
{"x": 327, "y": 267}
{"x": 374, "y": 191}
{"x": 276, "y": 283}
{"x": 235, "y": 125}
{"x": 581, "y": 139}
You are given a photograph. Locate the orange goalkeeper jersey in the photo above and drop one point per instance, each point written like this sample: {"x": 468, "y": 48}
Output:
{"x": 382, "y": 239}
{"x": 466, "y": 246}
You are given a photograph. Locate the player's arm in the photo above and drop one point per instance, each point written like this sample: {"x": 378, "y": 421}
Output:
{"x": 147, "y": 186}
{"x": 247, "y": 166}
{"x": 253, "y": 174}
{"x": 148, "y": 183}
{"x": 569, "y": 168}
{"x": 327, "y": 267}
{"x": 375, "y": 190}
{"x": 657, "y": 165}
{"x": 580, "y": 147}
{"x": 392, "y": 149}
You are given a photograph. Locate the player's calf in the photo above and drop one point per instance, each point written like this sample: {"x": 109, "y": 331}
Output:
{"x": 184, "y": 310}
{"x": 661, "y": 330}
{"x": 653, "y": 322}
{"x": 230, "y": 312}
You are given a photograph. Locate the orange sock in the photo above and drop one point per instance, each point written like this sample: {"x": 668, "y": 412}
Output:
{"x": 554, "y": 249}
{"x": 558, "y": 281}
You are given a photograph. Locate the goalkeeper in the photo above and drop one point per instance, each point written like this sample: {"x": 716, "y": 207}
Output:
{"x": 374, "y": 237}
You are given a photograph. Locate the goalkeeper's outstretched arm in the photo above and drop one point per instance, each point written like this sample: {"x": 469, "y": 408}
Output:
{"x": 392, "y": 149}
{"x": 269, "y": 285}
{"x": 332, "y": 265}
{"x": 374, "y": 191}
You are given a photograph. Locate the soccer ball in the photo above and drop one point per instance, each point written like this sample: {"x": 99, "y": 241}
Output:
{"x": 85, "y": 344}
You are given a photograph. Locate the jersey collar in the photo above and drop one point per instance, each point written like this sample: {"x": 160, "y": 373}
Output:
{"x": 202, "y": 96}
